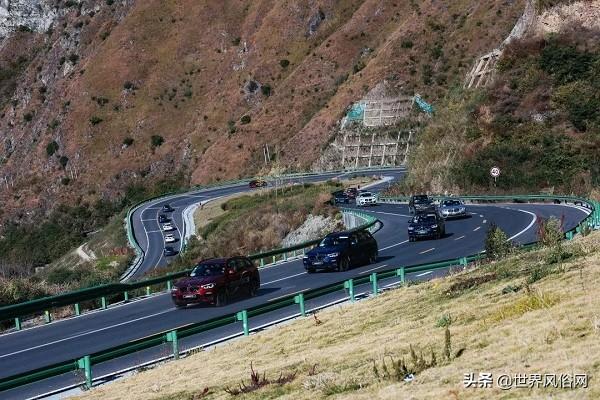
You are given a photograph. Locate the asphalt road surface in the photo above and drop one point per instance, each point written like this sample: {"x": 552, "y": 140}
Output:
{"x": 95, "y": 331}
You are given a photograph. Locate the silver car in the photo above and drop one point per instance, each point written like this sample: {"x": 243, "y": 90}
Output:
{"x": 453, "y": 208}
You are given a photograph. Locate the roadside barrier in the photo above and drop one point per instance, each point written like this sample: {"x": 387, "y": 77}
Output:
{"x": 86, "y": 363}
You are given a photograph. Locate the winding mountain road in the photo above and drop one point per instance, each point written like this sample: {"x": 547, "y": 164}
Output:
{"x": 95, "y": 331}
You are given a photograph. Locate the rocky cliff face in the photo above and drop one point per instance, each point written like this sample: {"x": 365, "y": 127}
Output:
{"x": 34, "y": 15}
{"x": 97, "y": 95}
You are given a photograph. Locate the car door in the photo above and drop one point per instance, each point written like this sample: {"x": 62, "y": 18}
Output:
{"x": 233, "y": 275}
{"x": 355, "y": 253}
{"x": 242, "y": 267}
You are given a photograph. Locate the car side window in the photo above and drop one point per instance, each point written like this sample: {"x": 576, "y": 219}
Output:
{"x": 231, "y": 264}
{"x": 241, "y": 264}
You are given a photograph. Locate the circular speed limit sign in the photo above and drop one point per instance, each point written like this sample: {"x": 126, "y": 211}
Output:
{"x": 495, "y": 172}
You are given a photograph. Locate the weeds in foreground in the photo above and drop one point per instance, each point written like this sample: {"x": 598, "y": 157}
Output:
{"x": 257, "y": 382}
{"x": 532, "y": 301}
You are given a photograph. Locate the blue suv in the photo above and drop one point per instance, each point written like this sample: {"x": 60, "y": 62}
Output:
{"x": 342, "y": 250}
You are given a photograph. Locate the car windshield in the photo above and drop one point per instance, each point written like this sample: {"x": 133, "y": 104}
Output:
{"x": 450, "y": 203}
{"x": 333, "y": 241}
{"x": 424, "y": 219}
{"x": 366, "y": 194}
{"x": 208, "y": 270}
{"x": 421, "y": 199}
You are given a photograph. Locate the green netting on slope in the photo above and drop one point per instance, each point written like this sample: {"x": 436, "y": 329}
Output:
{"x": 356, "y": 113}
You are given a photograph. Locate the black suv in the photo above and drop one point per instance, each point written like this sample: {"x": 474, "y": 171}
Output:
{"x": 426, "y": 225}
{"x": 217, "y": 281}
{"x": 167, "y": 208}
{"x": 162, "y": 218}
{"x": 420, "y": 203}
{"x": 342, "y": 250}
{"x": 340, "y": 197}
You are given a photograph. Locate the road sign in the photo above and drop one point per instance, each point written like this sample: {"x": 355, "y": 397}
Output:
{"x": 495, "y": 172}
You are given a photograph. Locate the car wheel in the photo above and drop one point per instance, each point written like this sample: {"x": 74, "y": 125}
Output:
{"x": 411, "y": 239}
{"x": 221, "y": 299}
{"x": 344, "y": 264}
{"x": 373, "y": 257}
{"x": 253, "y": 288}
{"x": 180, "y": 305}
{"x": 310, "y": 271}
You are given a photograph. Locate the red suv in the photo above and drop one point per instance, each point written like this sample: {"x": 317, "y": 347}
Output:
{"x": 216, "y": 281}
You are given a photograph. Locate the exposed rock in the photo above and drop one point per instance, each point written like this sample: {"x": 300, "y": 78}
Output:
{"x": 313, "y": 228}
{"x": 35, "y": 15}
{"x": 315, "y": 21}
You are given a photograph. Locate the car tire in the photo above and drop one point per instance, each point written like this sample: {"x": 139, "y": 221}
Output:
{"x": 310, "y": 271}
{"x": 180, "y": 305}
{"x": 222, "y": 299}
{"x": 373, "y": 257}
{"x": 411, "y": 239}
{"x": 253, "y": 288}
{"x": 344, "y": 264}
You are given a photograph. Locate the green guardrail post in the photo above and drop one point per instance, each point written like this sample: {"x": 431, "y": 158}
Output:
{"x": 103, "y": 302}
{"x": 148, "y": 291}
{"x": 262, "y": 262}
{"x": 169, "y": 285}
{"x": 47, "y": 316}
{"x": 570, "y": 235}
{"x": 463, "y": 261}
{"x": 373, "y": 279}
{"x": 172, "y": 337}
{"x": 77, "y": 309}
{"x": 401, "y": 273}
{"x": 18, "y": 323}
{"x": 349, "y": 284}
{"x": 85, "y": 364}
{"x": 243, "y": 316}
{"x": 273, "y": 259}
{"x": 299, "y": 299}
{"x": 126, "y": 295}
{"x": 285, "y": 256}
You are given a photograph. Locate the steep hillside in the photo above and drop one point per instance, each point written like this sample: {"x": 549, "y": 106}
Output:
{"x": 118, "y": 94}
{"x": 539, "y": 121}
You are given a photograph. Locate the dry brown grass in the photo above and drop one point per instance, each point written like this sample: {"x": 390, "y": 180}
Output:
{"x": 539, "y": 337}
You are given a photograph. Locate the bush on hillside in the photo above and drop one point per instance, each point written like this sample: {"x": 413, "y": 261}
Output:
{"x": 497, "y": 244}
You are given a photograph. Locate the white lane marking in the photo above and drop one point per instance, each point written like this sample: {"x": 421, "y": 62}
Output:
{"x": 388, "y": 213}
{"x": 484, "y": 221}
{"x": 425, "y": 273}
{"x": 283, "y": 279}
{"x": 148, "y": 220}
{"x": 373, "y": 269}
{"x": 458, "y": 238}
{"x": 153, "y": 231}
{"x": 394, "y": 245}
{"x": 427, "y": 251}
{"x": 476, "y": 229}
{"x": 473, "y": 213}
{"x": 86, "y": 333}
{"x": 480, "y": 215}
{"x": 289, "y": 294}
{"x": 533, "y": 220}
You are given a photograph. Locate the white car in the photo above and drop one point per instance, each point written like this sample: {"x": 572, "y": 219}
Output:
{"x": 366, "y": 199}
{"x": 170, "y": 238}
{"x": 168, "y": 227}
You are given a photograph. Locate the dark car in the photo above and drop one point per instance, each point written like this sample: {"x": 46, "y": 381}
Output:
{"x": 257, "y": 183}
{"x": 167, "y": 208}
{"x": 352, "y": 192}
{"x": 216, "y": 281}
{"x": 420, "y": 203}
{"x": 426, "y": 225}
{"x": 162, "y": 218}
{"x": 169, "y": 251}
{"x": 342, "y": 250}
{"x": 339, "y": 197}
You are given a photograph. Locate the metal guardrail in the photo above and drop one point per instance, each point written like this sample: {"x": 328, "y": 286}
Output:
{"x": 103, "y": 294}
{"x": 85, "y": 363}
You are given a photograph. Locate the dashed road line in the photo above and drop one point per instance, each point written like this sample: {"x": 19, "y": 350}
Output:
{"x": 476, "y": 229}
{"x": 373, "y": 269}
{"x": 427, "y": 251}
{"x": 289, "y": 294}
{"x": 282, "y": 279}
{"x": 425, "y": 273}
{"x": 394, "y": 245}
{"x": 484, "y": 221}
{"x": 458, "y": 238}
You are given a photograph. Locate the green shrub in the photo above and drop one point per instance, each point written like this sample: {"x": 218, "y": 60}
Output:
{"x": 266, "y": 90}
{"x": 284, "y": 63}
{"x": 407, "y": 44}
{"x": 73, "y": 58}
{"x": 51, "y": 148}
{"x": 246, "y": 119}
{"x": 156, "y": 141}
{"x": 128, "y": 141}
{"x": 27, "y": 117}
{"x": 63, "y": 160}
{"x": 497, "y": 244}
{"x": 95, "y": 120}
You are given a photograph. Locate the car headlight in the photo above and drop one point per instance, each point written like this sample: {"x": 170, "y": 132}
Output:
{"x": 462, "y": 209}
{"x": 411, "y": 228}
{"x": 434, "y": 226}
{"x": 208, "y": 286}
{"x": 333, "y": 255}
{"x": 174, "y": 289}
{"x": 305, "y": 258}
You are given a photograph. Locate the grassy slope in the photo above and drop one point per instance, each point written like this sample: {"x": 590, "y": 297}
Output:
{"x": 553, "y": 329}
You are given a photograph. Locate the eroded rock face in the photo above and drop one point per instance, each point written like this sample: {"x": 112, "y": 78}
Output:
{"x": 34, "y": 15}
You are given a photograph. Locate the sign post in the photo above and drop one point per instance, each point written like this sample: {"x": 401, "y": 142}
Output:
{"x": 495, "y": 173}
